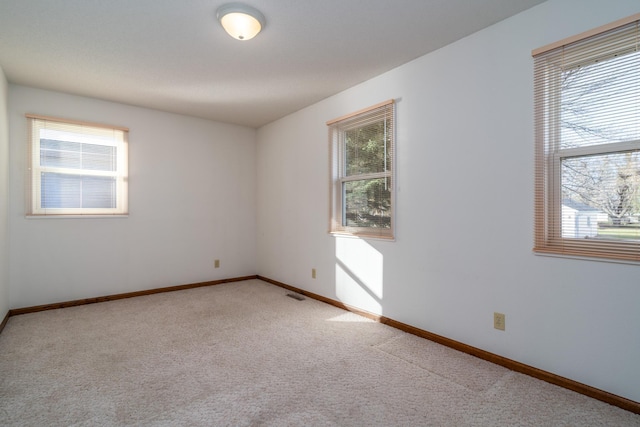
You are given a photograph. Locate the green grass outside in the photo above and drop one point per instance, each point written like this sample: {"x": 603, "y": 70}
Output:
{"x": 622, "y": 232}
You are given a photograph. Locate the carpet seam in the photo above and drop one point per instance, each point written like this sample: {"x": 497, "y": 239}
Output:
{"x": 522, "y": 368}
{"x": 443, "y": 377}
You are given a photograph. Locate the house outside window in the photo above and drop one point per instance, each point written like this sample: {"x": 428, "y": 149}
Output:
{"x": 76, "y": 168}
{"x": 362, "y": 172}
{"x": 587, "y": 106}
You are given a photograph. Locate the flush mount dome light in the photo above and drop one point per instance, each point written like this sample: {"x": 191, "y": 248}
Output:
{"x": 242, "y": 22}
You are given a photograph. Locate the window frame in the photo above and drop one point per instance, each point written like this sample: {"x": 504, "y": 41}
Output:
{"x": 111, "y": 136}
{"x": 549, "y": 157}
{"x": 339, "y": 178}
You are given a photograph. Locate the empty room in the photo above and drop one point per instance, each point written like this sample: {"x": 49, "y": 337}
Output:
{"x": 331, "y": 213}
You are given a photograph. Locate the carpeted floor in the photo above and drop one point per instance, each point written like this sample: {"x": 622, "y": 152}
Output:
{"x": 245, "y": 354}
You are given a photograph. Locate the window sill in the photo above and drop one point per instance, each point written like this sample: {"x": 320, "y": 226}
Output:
{"x": 76, "y": 216}
{"x": 585, "y": 258}
{"x": 362, "y": 236}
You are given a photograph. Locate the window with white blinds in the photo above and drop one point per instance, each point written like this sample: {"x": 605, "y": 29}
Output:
{"x": 76, "y": 168}
{"x": 587, "y": 127}
{"x": 362, "y": 172}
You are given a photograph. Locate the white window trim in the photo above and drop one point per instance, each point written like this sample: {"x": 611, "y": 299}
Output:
{"x": 35, "y": 170}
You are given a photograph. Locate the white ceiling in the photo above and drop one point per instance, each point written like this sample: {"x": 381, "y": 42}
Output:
{"x": 173, "y": 55}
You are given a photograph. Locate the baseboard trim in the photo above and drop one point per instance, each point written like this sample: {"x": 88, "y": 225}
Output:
{"x": 54, "y": 306}
{"x": 584, "y": 389}
{"x": 4, "y": 321}
{"x": 513, "y": 365}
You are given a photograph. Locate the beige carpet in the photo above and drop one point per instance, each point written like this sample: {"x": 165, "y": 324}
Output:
{"x": 245, "y": 354}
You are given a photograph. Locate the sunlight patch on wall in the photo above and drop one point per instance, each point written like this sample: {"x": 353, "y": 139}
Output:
{"x": 359, "y": 274}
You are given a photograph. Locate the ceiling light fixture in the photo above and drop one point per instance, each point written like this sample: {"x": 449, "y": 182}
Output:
{"x": 242, "y": 22}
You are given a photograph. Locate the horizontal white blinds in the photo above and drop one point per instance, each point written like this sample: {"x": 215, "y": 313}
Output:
{"x": 76, "y": 168}
{"x": 362, "y": 150}
{"x": 587, "y": 124}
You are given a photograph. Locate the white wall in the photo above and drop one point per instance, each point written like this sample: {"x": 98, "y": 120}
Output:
{"x": 191, "y": 200}
{"x": 464, "y": 210}
{"x": 4, "y": 192}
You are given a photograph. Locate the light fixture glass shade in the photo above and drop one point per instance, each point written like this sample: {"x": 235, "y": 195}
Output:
{"x": 240, "y": 21}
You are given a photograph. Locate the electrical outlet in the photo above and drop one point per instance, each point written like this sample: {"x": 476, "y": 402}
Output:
{"x": 498, "y": 321}
{"x": 313, "y": 273}
{"x": 216, "y": 263}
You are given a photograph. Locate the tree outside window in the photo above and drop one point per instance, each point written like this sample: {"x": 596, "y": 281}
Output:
{"x": 362, "y": 147}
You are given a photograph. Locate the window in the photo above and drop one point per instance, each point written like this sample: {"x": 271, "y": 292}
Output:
{"x": 76, "y": 168}
{"x": 362, "y": 180}
{"x": 587, "y": 122}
